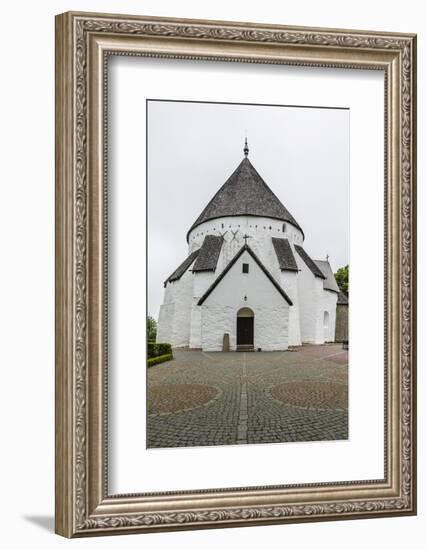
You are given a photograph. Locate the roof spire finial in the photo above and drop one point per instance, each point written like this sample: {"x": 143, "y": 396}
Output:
{"x": 246, "y": 148}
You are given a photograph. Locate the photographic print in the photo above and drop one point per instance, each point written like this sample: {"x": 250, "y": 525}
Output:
{"x": 248, "y": 273}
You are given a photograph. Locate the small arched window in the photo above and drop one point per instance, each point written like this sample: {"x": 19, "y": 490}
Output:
{"x": 283, "y": 228}
{"x": 326, "y": 320}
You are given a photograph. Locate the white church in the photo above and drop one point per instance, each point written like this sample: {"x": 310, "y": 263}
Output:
{"x": 247, "y": 283}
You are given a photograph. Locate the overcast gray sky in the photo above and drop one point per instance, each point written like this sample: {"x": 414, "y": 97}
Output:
{"x": 301, "y": 153}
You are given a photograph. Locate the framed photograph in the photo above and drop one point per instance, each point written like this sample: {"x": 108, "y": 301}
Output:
{"x": 235, "y": 274}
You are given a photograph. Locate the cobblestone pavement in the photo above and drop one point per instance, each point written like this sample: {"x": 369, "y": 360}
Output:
{"x": 236, "y": 398}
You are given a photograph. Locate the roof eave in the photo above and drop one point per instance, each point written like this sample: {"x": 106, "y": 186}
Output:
{"x": 310, "y": 263}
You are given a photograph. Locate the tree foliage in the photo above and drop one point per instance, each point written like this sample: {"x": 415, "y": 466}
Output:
{"x": 341, "y": 276}
{"x": 151, "y": 329}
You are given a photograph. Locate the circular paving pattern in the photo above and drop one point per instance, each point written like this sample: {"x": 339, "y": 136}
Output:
{"x": 172, "y": 398}
{"x": 312, "y": 394}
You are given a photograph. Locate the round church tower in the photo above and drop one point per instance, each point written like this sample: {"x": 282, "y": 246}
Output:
{"x": 245, "y": 210}
{"x": 247, "y": 282}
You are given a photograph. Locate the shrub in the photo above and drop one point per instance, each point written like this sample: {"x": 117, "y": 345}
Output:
{"x": 151, "y": 329}
{"x": 155, "y": 349}
{"x": 151, "y": 349}
{"x": 160, "y": 359}
{"x": 163, "y": 348}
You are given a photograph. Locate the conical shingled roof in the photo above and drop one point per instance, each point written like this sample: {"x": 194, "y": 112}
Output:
{"x": 245, "y": 193}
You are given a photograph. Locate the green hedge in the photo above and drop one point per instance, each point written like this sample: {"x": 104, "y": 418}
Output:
{"x": 160, "y": 359}
{"x": 155, "y": 349}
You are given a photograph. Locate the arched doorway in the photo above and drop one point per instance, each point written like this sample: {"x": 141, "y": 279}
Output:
{"x": 326, "y": 325}
{"x": 245, "y": 327}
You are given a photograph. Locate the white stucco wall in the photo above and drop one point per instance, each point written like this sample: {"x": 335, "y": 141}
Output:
{"x": 166, "y": 315}
{"x": 260, "y": 231}
{"x": 289, "y": 282}
{"x": 219, "y": 311}
{"x": 174, "y": 317}
{"x": 164, "y": 325}
{"x": 329, "y": 304}
{"x": 181, "y": 320}
{"x": 310, "y": 294}
{"x": 180, "y": 317}
{"x": 201, "y": 282}
{"x": 195, "y": 325}
{"x": 217, "y": 320}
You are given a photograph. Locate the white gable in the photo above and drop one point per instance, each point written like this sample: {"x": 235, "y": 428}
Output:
{"x": 255, "y": 285}
{"x": 238, "y": 290}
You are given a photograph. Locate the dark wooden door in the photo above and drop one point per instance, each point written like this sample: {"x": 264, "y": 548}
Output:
{"x": 245, "y": 331}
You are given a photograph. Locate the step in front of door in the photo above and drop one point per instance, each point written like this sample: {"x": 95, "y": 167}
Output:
{"x": 244, "y": 347}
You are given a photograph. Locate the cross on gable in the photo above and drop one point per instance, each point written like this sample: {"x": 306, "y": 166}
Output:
{"x": 246, "y": 237}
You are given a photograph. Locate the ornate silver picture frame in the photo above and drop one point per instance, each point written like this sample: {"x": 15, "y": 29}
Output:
{"x": 84, "y": 42}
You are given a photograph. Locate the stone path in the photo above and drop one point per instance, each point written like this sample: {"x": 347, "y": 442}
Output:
{"x": 203, "y": 398}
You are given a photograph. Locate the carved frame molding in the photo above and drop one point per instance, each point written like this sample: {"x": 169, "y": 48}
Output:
{"x": 83, "y": 42}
